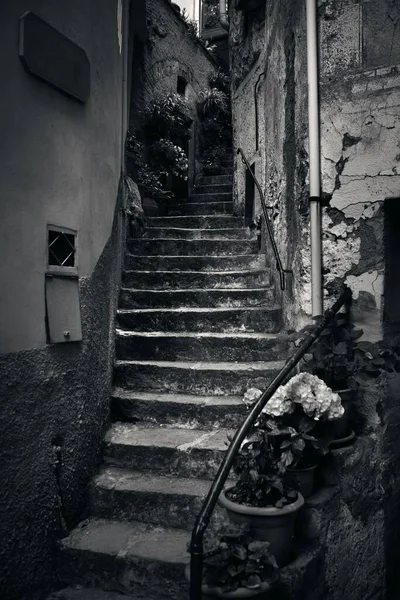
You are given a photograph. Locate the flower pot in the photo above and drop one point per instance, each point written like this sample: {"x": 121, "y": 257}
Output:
{"x": 301, "y": 480}
{"x": 341, "y": 427}
{"x": 209, "y": 593}
{"x": 342, "y": 442}
{"x": 274, "y": 525}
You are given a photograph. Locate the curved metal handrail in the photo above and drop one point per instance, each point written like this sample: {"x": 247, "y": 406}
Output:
{"x": 203, "y": 518}
{"x": 279, "y": 266}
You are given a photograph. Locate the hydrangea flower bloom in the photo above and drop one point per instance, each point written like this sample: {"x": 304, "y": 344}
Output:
{"x": 316, "y": 398}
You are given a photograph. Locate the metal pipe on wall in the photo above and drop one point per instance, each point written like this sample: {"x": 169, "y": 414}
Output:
{"x": 124, "y": 108}
{"x": 223, "y": 14}
{"x": 314, "y": 159}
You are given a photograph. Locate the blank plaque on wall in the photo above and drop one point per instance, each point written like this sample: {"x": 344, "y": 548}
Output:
{"x": 54, "y": 58}
{"x": 62, "y": 309}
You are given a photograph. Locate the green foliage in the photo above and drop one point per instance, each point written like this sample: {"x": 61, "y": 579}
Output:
{"x": 167, "y": 117}
{"x": 260, "y": 466}
{"x": 220, "y": 81}
{"x": 332, "y": 355}
{"x": 169, "y": 158}
{"x": 371, "y": 360}
{"x": 213, "y": 102}
{"x": 151, "y": 182}
{"x": 297, "y": 440}
{"x": 234, "y": 559}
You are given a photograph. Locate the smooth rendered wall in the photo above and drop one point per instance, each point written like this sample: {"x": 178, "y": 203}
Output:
{"x": 60, "y": 164}
{"x": 60, "y": 159}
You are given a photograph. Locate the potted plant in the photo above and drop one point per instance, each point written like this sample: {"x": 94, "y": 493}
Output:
{"x": 263, "y": 495}
{"x": 332, "y": 359}
{"x": 236, "y": 565}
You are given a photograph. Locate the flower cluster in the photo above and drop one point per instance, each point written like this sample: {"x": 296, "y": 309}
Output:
{"x": 170, "y": 157}
{"x": 317, "y": 400}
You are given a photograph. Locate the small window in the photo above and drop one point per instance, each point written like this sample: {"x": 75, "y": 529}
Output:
{"x": 181, "y": 85}
{"x": 61, "y": 247}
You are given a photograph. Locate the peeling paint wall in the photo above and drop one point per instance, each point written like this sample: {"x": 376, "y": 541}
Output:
{"x": 360, "y": 148}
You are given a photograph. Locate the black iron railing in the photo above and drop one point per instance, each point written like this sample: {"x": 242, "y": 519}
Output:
{"x": 203, "y": 519}
{"x": 282, "y": 272}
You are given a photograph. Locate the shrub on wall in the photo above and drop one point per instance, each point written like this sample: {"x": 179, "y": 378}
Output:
{"x": 165, "y": 130}
{"x": 215, "y": 117}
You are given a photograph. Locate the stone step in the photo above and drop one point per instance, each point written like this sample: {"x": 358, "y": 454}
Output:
{"x": 139, "y": 561}
{"x": 87, "y": 593}
{"x": 234, "y": 263}
{"x": 197, "y": 378}
{"x": 219, "y": 171}
{"x": 126, "y": 494}
{"x": 159, "y": 279}
{"x": 201, "y": 208}
{"x": 266, "y": 319}
{"x": 196, "y": 222}
{"x": 169, "y": 451}
{"x": 144, "y": 560}
{"x": 234, "y": 233}
{"x": 183, "y": 410}
{"x": 213, "y": 298}
{"x": 192, "y": 346}
{"x": 215, "y": 180}
{"x": 210, "y": 197}
{"x": 170, "y": 247}
{"x": 213, "y": 188}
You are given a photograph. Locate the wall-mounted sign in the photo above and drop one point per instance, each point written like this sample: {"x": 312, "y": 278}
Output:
{"x": 50, "y": 55}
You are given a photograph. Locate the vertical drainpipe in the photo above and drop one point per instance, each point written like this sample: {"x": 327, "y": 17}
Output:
{"x": 314, "y": 158}
{"x": 223, "y": 15}
{"x": 124, "y": 119}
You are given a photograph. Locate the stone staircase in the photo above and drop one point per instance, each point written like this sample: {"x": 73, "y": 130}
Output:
{"x": 198, "y": 324}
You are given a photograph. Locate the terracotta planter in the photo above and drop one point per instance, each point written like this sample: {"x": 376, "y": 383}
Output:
{"x": 274, "y": 525}
{"x": 342, "y": 442}
{"x": 208, "y": 593}
{"x": 301, "y": 480}
{"x": 342, "y": 427}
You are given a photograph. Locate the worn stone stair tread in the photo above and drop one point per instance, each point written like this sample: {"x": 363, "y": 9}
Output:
{"x": 87, "y": 593}
{"x": 186, "y": 263}
{"x": 178, "y": 233}
{"x": 130, "y": 480}
{"x": 201, "y": 221}
{"x": 196, "y": 309}
{"x": 165, "y": 257}
{"x": 122, "y": 539}
{"x": 177, "y": 399}
{"x": 245, "y": 335}
{"x": 177, "y": 438}
{"x": 197, "y": 290}
{"x": 253, "y": 366}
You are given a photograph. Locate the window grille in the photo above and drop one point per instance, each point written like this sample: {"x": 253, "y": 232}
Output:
{"x": 61, "y": 248}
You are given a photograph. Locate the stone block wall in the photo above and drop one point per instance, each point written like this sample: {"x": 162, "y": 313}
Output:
{"x": 168, "y": 51}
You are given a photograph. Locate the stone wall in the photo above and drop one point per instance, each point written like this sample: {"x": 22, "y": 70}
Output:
{"x": 168, "y": 52}
{"x": 360, "y": 111}
{"x": 359, "y": 137}
{"x": 267, "y": 63}
{"x": 61, "y": 164}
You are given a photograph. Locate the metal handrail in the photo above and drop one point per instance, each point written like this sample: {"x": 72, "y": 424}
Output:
{"x": 279, "y": 266}
{"x": 203, "y": 518}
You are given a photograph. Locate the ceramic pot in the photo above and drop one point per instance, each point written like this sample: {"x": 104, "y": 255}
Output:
{"x": 301, "y": 480}
{"x": 209, "y": 593}
{"x": 341, "y": 427}
{"x": 274, "y": 525}
{"x": 342, "y": 442}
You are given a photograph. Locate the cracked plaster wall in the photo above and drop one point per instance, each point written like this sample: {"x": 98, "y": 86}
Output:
{"x": 360, "y": 148}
